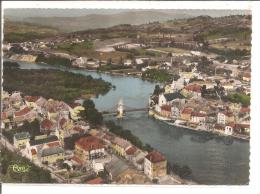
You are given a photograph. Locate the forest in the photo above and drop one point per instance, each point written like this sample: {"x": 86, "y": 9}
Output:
{"x": 50, "y": 83}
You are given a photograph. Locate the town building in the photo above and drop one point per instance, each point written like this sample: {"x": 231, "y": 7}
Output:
{"x": 52, "y": 155}
{"x": 26, "y": 114}
{"x": 155, "y": 165}
{"x": 166, "y": 111}
{"x": 120, "y": 146}
{"x": 21, "y": 139}
{"x": 197, "y": 117}
{"x": 186, "y": 114}
{"x": 225, "y": 117}
{"x": 169, "y": 98}
{"x": 89, "y": 148}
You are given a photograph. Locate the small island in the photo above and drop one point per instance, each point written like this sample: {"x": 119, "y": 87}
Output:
{"x": 50, "y": 83}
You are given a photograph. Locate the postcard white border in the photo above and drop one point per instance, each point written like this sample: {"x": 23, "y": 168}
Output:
{"x": 253, "y": 186}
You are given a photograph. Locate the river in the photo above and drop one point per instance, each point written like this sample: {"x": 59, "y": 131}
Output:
{"x": 212, "y": 160}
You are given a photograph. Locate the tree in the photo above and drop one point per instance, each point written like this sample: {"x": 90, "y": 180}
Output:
{"x": 203, "y": 90}
{"x": 148, "y": 147}
{"x": 157, "y": 90}
{"x": 88, "y": 104}
{"x": 91, "y": 113}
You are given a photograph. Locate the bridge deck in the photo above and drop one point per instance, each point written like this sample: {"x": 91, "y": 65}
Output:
{"x": 130, "y": 110}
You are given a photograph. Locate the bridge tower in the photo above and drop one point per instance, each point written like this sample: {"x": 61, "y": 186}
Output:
{"x": 120, "y": 109}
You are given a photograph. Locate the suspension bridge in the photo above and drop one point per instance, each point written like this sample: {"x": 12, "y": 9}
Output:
{"x": 120, "y": 110}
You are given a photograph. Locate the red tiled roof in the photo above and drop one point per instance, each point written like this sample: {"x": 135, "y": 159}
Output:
{"x": 89, "y": 143}
{"x": 131, "y": 150}
{"x": 62, "y": 121}
{"x": 31, "y": 98}
{"x": 47, "y": 124}
{"x": 97, "y": 180}
{"x": 187, "y": 111}
{"x": 197, "y": 114}
{"x": 166, "y": 108}
{"x": 76, "y": 159}
{"x": 228, "y": 114}
{"x": 4, "y": 115}
{"x": 242, "y": 126}
{"x": 53, "y": 144}
{"x": 33, "y": 151}
{"x": 232, "y": 124}
{"x": 155, "y": 157}
{"x": 194, "y": 88}
{"x": 22, "y": 112}
{"x": 245, "y": 110}
{"x": 79, "y": 129}
{"x": 247, "y": 75}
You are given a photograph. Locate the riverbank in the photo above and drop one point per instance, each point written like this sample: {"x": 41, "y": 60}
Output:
{"x": 168, "y": 121}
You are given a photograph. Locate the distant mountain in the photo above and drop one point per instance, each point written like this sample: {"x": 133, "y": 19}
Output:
{"x": 70, "y": 24}
{"x": 83, "y": 19}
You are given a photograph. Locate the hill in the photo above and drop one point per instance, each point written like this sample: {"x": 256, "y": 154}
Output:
{"x": 20, "y": 31}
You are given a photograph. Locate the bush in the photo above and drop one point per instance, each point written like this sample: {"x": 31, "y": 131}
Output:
{"x": 157, "y": 75}
{"x": 239, "y": 98}
{"x": 54, "y": 60}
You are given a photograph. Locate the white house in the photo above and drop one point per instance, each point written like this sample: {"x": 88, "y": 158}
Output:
{"x": 225, "y": 117}
{"x": 229, "y": 129}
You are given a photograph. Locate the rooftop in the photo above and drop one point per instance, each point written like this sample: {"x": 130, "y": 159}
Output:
{"x": 47, "y": 124}
{"x": 22, "y": 112}
{"x": 172, "y": 96}
{"x": 131, "y": 150}
{"x": 121, "y": 142}
{"x": 48, "y": 139}
{"x": 197, "y": 114}
{"x": 194, "y": 88}
{"x": 33, "y": 151}
{"x": 31, "y": 98}
{"x": 187, "y": 111}
{"x": 22, "y": 135}
{"x": 97, "y": 180}
{"x": 155, "y": 157}
{"x": 51, "y": 151}
{"x": 89, "y": 143}
{"x": 166, "y": 107}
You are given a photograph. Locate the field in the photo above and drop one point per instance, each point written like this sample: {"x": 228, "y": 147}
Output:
{"x": 231, "y": 45}
{"x": 87, "y": 49}
{"x": 20, "y": 32}
{"x": 173, "y": 50}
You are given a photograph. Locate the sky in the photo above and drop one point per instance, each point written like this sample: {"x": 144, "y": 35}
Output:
{"x": 23, "y": 13}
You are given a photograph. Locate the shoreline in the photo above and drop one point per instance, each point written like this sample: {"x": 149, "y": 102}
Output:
{"x": 136, "y": 75}
{"x": 153, "y": 114}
